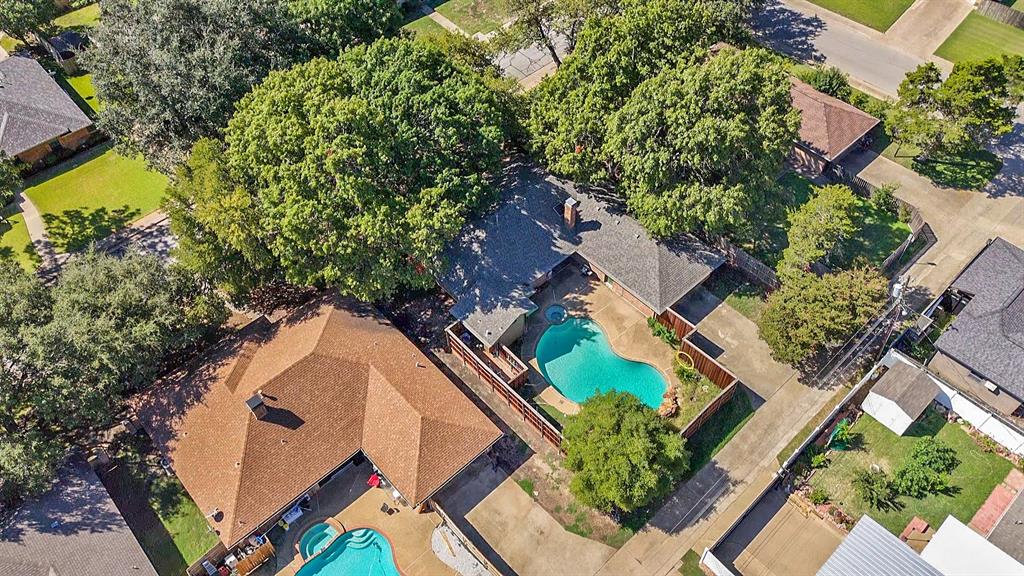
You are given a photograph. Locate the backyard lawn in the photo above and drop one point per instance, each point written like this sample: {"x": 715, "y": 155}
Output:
{"x": 93, "y": 195}
{"x": 86, "y": 17}
{"x": 730, "y": 286}
{"x": 979, "y": 37}
{"x": 971, "y": 482}
{"x": 15, "y": 243}
{"x": 474, "y": 16}
{"x": 169, "y": 526}
{"x": 717, "y": 432}
{"x": 424, "y": 27}
{"x": 9, "y": 44}
{"x": 82, "y": 86}
{"x": 878, "y": 14}
{"x": 880, "y": 233}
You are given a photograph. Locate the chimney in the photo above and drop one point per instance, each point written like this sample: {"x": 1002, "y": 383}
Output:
{"x": 571, "y": 213}
{"x": 257, "y": 406}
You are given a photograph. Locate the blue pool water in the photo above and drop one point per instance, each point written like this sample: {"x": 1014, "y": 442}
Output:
{"x": 576, "y": 358}
{"x": 316, "y": 538}
{"x": 362, "y": 552}
{"x": 556, "y": 313}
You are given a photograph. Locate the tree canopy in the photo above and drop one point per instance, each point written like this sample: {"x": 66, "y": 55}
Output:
{"x": 569, "y": 111}
{"x": 334, "y": 25}
{"x": 960, "y": 114}
{"x": 699, "y": 146}
{"x": 624, "y": 456}
{"x": 170, "y": 71}
{"x": 353, "y": 173}
{"x": 809, "y": 315}
{"x": 69, "y": 353}
{"x": 20, "y": 18}
{"x": 10, "y": 179}
{"x": 818, "y": 227}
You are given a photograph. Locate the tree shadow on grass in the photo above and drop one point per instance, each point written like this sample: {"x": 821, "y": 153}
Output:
{"x": 73, "y": 230}
{"x": 970, "y": 172}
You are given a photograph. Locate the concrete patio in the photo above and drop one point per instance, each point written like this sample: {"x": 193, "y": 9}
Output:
{"x": 624, "y": 325}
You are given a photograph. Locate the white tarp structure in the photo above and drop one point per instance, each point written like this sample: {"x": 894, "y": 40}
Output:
{"x": 957, "y": 550}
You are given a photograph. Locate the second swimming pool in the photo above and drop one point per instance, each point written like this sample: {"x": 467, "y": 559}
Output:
{"x": 576, "y": 358}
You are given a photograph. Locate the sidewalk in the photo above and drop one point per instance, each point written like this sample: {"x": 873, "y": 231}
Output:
{"x": 926, "y": 25}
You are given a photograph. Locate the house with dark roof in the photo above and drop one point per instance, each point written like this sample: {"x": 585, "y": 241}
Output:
{"x": 271, "y": 416}
{"x": 37, "y": 117}
{"x": 73, "y": 530}
{"x": 829, "y": 128}
{"x": 503, "y": 257}
{"x": 982, "y": 351}
{"x": 65, "y": 47}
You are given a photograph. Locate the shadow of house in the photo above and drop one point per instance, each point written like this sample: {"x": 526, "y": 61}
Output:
{"x": 74, "y": 528}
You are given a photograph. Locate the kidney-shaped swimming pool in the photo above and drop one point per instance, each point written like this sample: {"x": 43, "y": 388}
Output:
{"x": 576, "y": 358}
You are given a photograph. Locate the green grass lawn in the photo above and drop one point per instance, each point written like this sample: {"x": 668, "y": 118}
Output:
{"x": 9, "y": 44}
{"x": 730, "y": 286}
{"x": 716, "y": 433}
{"x": 181, "y": 517}
{"x": 878, "y": 14}
{"x": 693, "y": 398}
{"x": 15, "y": 243}
{"x": 93, "y": 195}
{"x": 474, "y": 16}
{"x": 972, "y": 481}
{"x": 424, "y": 27}
{"x": 880, "y": 232}
{"x": 691, "y": 564}
{"x": 969, "y": 172}
{"x": 86, "y": 17}
{"x": 979, "y": 37}
{"x": 82, "y": 86}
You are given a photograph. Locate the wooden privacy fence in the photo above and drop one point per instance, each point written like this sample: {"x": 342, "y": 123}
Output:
{"x": 752, "y": 267}
{"x": 707, "y": 365}
{"x": 709, "y": 410}
{"x": 1000, "y": 13}
{"x": 673, "y": 321}
{"x": 502, "y": 387}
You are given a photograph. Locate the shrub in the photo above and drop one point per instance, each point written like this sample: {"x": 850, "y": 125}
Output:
{"x": 903, "y": 214}
{"x": 842, "y": 433}
{"x": 818, "y": 496}
{"x": 819, "y": 460}
{"x": 874, "y": 488}
{"x": 917, "y": 480}
{"x": 935, "y": 455}
{"x": 827, "y": 79}
{"x": 662, "y": 332}
{"x": 884, "y": 198}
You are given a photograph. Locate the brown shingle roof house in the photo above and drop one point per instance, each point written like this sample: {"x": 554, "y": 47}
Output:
{"x": 829, "y": 127}
{"x": 335, "y": 378}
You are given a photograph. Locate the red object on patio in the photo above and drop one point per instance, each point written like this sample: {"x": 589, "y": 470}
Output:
{"x": 373, "y": 481}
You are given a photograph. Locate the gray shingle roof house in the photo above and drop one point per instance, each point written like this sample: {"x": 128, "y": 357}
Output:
{"x": 34, "y": 110}
{"x": 871, "y": 549}
{"x": 987, "y": 336}
{"x": 498, "y": 260}
{"x": 72, "y": 530}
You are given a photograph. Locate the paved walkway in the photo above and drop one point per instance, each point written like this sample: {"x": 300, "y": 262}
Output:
{"x": 702, "y": 509}
{"x": 926, "y": 25}
{"x": 36, "y": 231}
{"x": 997, "y": 503}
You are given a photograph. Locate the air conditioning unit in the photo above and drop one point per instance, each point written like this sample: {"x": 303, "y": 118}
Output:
{"x": 991, "y": 387}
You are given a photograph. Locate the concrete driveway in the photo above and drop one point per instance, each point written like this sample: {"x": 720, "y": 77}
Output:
{"x": 926, "y": 25}
{"x": 524, "y": 539}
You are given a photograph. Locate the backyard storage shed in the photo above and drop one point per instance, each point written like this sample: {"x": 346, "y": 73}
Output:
{"x": 900, "y": 396}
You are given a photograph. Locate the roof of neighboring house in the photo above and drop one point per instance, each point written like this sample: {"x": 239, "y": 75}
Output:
{"x": 828, "y": 126}
{"x": 493, "y": 263}
{"x": 1008, "y": 535}
{"x": 33, "y": 108}
{"x": 988, "y": 334}
{"x": 337, "y": 378}
{"x": 74, "y": 529}
{"x": 908, "y": 386}
{"x": 957, "y": 550}
{"x": 871, "y": 549}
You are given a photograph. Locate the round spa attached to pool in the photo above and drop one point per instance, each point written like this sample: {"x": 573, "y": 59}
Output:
{"x": 577, "y": 359}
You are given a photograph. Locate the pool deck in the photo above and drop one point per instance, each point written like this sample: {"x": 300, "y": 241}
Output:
{"x": 625, "y": 326}
{"x": 408, "y": 531}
